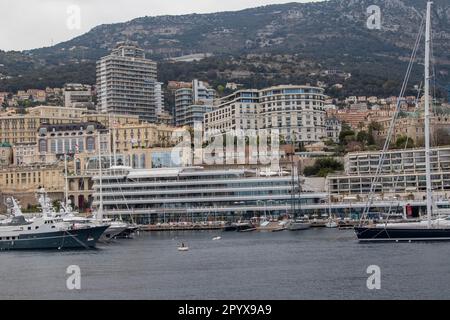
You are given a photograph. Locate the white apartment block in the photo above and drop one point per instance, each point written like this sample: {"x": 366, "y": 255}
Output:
{"x": 126, "y": 83}
{"x": 296, "y": 112}
{"x": 235, "y": 112}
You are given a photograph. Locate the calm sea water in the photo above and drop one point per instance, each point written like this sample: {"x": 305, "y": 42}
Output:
{"x": 311, "y": 264}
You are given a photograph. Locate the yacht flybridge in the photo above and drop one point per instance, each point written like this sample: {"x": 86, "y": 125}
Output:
{"x": 432, "y": 229}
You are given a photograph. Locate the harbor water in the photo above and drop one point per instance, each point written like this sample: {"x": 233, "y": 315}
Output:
{"x": 310, "y": 264}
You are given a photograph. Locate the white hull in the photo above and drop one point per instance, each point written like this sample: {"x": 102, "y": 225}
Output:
{"x": 296, "y": 226}
{"x": 331, "y": 224}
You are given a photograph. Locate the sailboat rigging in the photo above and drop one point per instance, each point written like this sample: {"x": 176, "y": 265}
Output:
{"x": 430, "y": 229}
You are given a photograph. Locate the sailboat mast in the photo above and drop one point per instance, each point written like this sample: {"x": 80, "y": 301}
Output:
{"x": 100, "y": 177}
{"x": 427, "y": 112}
{"x": 114, "y": 132}
{"x": 66, "y": 182}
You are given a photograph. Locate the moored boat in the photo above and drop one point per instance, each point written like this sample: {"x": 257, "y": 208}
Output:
{"x": 46, "y": 232}
{"x": 298, "y": 224}
{"x": 432, "y": 229}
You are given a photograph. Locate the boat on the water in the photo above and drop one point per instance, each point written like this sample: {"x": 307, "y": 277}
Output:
{"x": 239, "y": 226}
{"x": 66, "y": 213}
{"x": 298, "y": 224}
{"x": 431, "y": 229}
{"x": 115, "y": 228}
{"x": 245, "y": 227}
{"x": 267, "y": 225}
{"x": 128, "y": 232}
{"x": 183, "y": 247}
{"x": 331, "y": 224}
{"x": 45, "y": 232}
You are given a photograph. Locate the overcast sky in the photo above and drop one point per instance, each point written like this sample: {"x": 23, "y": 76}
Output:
{"x": 28, "y": 24}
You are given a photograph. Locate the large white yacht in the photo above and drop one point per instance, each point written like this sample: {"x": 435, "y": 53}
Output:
{"x": 45, "y": 232}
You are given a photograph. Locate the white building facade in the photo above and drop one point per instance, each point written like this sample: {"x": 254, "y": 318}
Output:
{"x": 297, "y": 113}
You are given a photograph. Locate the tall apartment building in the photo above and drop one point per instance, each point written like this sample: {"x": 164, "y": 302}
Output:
{"x": 192, "y": 103}
{"x": 297, "y": 112}
{"x": 126, "y": 83}
{"x": 159, "y": 98}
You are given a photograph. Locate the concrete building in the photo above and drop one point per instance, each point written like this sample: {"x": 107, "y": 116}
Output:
{"x": 296, "y": 112}
{"x": 159, "y": 97}
{"x": 237, "y": 111}
{"x": 48, "y": 112}
{"x": 63, "y": 139}
{"x": 192, "y": 103}
{"x": 333, "y": 128}
{"x": 164, "y": 117}
{"x": 77, "y": 95}
{"x": 16, "y": 180}
{"x": 144, "y": 135}
{"x": 108, "y": 120}
{"x": 5, "y": 154}
{"x": 22, "y": 128}
{"x": 402, "y": 174}
{"x": 353, "y": 119}
{"x": 25, "y": 154}
{"x": 414, "y": 128}
{"x": 126, "y": 83}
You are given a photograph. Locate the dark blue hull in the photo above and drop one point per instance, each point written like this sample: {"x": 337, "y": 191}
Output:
{"x": 71, "y": 239}
{"x": 399, "y": 234}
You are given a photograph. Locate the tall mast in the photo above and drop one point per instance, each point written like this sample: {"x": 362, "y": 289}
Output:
{"x": 427, "y": 112}
{"x": 100, "y": 177}
{"x": 114, "y": 131}
{"x": 110, "y": 142}
{"x": 66, "y": 182}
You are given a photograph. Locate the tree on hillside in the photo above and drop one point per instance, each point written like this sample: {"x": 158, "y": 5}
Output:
{"x": 322, "y": 167}
{"x": 403, "y": 142}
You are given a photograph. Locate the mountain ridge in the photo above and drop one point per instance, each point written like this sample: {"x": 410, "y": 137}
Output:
{"x": 315, "y": 36}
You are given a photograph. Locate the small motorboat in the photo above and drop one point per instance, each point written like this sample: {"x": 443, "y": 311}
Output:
{"x": 183, "y": 247}
{"x": 217, "y": 238}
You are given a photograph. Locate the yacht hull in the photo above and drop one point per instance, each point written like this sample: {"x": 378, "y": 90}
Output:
{"x": 296, "y": 226}
{"x": 111, "y": 233}
{"x": 368, "y": 234}
{"x": 71, "y": 239}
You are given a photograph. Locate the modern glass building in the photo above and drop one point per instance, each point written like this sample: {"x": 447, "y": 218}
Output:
{"x": 196, "y": 194}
